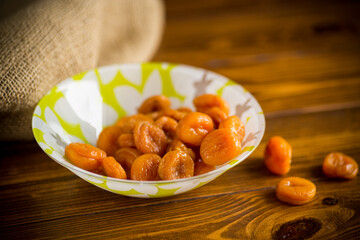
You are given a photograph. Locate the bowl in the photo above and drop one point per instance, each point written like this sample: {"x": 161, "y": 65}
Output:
{"x": 78, "y": 108}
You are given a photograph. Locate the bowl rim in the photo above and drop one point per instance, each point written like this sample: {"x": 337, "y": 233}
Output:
{"x": 221, "y": 168}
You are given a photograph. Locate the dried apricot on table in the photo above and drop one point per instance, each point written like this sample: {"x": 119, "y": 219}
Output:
{"x": 220, "y": 146}
{"x": 145, "y": 167}
{"x": 295, "y": 190}
{"x": 339, "y": 165}
{"x": 207, "y": 101}
{"x": 194, "y": 127}
{"x": 235, "y": 124}
{"x": 176, "y": 165}
{"x": 112, "y": 168}
{"x": 154, "y": 103}
{"x": 278, "y": 155}
{"x": 149, "y": 138}
{"x": 84, "y": 155}
{"x": 107, "y": 140}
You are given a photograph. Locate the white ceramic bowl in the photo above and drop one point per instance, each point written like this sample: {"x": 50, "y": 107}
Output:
{"x": 77, "y": 109}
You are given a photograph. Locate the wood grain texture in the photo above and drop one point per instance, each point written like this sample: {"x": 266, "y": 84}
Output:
{"x": 241, "y": 215}
{"x": 300, "y": 59}
{"x": 59, "y": 195}
{"x": 300, "y": 49}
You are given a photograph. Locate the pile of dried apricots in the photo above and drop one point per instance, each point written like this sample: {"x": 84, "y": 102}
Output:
{"x": 296, "y": 190}
{"x": 161, "y": 143}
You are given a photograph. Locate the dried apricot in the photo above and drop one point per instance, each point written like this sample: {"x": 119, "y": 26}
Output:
{"x": 220, "y": 146}
{"x": 201, "y": 168}
{"x": 216, "y": 114}
{"x": 150, "y": 138}
{"x": 278, "y": 155}
{"x": 207, "y": 101}
{"x": 339, "y": 165}
{"x": 107, "y": 140}
{"x": 168, "y": 125}
{"x": 155, "y": 115}
{"x": 168, "y": 112}
{"x": 176, "y": 144}
{"x": 128, "y": 123}
{"x": 145, "y": 167}
{"x": 126, "y": 157}
{"x": 176, "y": 165}
{"x": 194, "y": 127}
{"x": 126, "y": 140}
{"x": 99, "y": 170}
{"x": 185, "y": 109}
{"x": 112, "y": 168}
{"x": 175, "y": 114}
{"x": 154, "y": 103}
{"x": 235, "y": 124}
{"x": 295, "y": 190}
{"x": 84, "y": 155}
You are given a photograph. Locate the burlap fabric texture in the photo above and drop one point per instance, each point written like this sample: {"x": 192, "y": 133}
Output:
{"x": 46, "y": 41}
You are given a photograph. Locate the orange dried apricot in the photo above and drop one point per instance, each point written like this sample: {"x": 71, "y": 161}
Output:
{"x": 339, "y": 165}
{"x": 145, "y": 167}
{"x": 278, "y": 155}
{"x": 176, "y": 144}
{"x": 235, "y": 124}
{"x": 201, "y": 168}
{"x": 168, "y": 125}
{"x": 128, "y": 123}
{"x": 99, "y": 170}
{"x": 126, "y": 140}
{"x": 107, "y": 140}
{"x": 154, "y": 103}
{"x": 194, "y": 127}
{"x": 207, "y": 101}
{"x": 126, "y": 157}
{"x": 150, "y": 138}
{"x": 84, "y": 155}
{"x": 220, "y": 146}
{"x": 175, "y": 114}
{"x": 185, "y": 109}
{"x": 295, "y": 190}
{"x": 176, "y": 165}
{"x": 168, "y": 112}
{"x": 216, "y": 114}
{"x": 112, "y": 168}
{"x": 155, "y": 115}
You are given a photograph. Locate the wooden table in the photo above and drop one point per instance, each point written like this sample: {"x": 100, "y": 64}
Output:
{"x": 300, "y": 59}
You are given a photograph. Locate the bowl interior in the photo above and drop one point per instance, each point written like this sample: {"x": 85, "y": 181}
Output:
{"x": 77, "y": 109}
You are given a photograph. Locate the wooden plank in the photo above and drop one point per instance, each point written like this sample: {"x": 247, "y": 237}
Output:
{"x": 298, "y": 82}
{"x": 304, "y": 52}
{"x": 262, "y": 25}
{"x": 254, "y": 214}
{"x": 59, "y": 194}
{"x": 300, "y": 59}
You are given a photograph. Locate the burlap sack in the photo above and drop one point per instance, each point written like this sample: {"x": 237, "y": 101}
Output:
{"x": 46, "y": 41}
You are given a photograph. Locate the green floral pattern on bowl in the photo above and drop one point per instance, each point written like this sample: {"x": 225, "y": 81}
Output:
{"x": 77, "y": 109}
